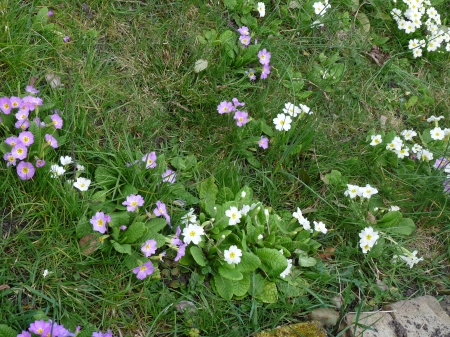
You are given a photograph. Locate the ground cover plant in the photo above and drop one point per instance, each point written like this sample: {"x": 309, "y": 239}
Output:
{"x": 215, "y": 168}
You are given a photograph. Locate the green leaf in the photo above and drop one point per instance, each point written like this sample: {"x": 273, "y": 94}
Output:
{"x": 128, "y": 190}
{"x": 306, "y": 261}
{"x": 364, "y": 21}
{"x": 269, "y": 293}
{"x": 134, "y": 232}
{"x": 377, "y": 250}
{"x": 226, "y": 36}
{"x": 241, "y": 287}
{"x": 266, "y": 128}
{"x": 5, "y": 147}
{"x": 124, "y": 249}
{"x": 105, "y": 177}
{"x": 178, "y": 162}
{"x": 403, "y": 227}
{"x": 99, "y": 197}
{"x": 208, "y": 190}
{"x": 223, "y": 286}
{"x": 83, "y": 228}
{"x": 198, "y": 256}
{"x": 390, "y": 219}
{"x": 225, "y": 194}
{"x": 249, "y": 262}
{"x": 253, "y": 161}
{"x": 273, "y": 262}
{"x": 119, "y": 218}
{"x": 6, "y": 331}
{"x": 156, "y": 224}
{"x": 231, "y": 274}
{"x": 230, "y": 4}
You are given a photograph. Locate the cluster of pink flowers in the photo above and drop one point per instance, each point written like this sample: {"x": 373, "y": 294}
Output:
{"x": 245, "y": 36}
{"x": 43, "y": 328}
{"x": 443, "y": 164}
{"x": 21, "y": 143}
{"x": 225, "y": 107}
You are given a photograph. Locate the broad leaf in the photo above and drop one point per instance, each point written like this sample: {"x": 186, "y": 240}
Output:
{"x": 231, "y": 274}
{"x": 198, "y": 256}
{"x": 124, "y": 249}
{"x": 223, "y": 286}
{"x": 249, "y": 262}
{"x": 273, "y": 262}
{"x": 241, "y": 287}
{"x": 134, "y": 232}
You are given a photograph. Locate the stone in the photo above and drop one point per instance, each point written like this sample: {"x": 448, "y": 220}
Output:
{"x": 327, "y": 316}
{"x": 372, "y": 324}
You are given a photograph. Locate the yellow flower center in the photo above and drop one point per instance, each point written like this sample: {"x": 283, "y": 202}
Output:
{"x": 282, "y": 122}
{"x": 232, "y": 255}
{"x": 143, "y": 268}
{"x": 19, "y": 151}
{"x": 134, "y": 203}
{"x": 368, "y": 237}
{"x": 225, "y": 109}
{"x": 40, "y": 331}
{"x": 25, "y": 170}
{"x": 100, "y": 222}
{"x": 192, "y": 233}
{"x": 6, "y": 106}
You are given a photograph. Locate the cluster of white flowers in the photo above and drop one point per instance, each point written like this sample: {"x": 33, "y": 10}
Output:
{"x": 283, "y": 121}
{"x": 320, "y": 8}
{"x": 189, "y": 218}
{"x": 398, "y": 146}
{"x": 56, "y": 171}
{"x": 287, "y": 270}
{"x": 410, "y": 258}
{"x": 363, "y": 192}
{"x": 318, "y": 226}
{"x": 368, "y": 238}
{"x": 418, "y": 13}
{"x": 235, "y": 215}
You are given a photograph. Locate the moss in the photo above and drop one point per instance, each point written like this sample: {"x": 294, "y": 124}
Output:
{"x": 306, "y": 329}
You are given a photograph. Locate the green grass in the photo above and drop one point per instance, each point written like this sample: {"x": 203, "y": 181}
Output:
{"x": 130, "y": 88}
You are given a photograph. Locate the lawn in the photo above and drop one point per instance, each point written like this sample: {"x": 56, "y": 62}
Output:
{"x": 219, "y": 168}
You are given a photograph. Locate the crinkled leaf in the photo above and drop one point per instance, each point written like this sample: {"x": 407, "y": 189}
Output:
{"x": 231, "y": 274}
{"x": 225, "y": 194}
{"x": 119, "y": 218}
{"x": 403, "y": 227}
{"x": 306, "y": 261}
{"x": 390, "y": 219}
{"x": 241, "y": 287}
{"x": 84, "y": 227}
{"x": 223, "y": 286}
{"x": 105, "y": 177}
{"x": 273, "y": 262}
{"x": 269, "y": 293}
{"x": 6, "y": 331}
{"x": 249, "y": 262}
{"x": 134, "y": 232}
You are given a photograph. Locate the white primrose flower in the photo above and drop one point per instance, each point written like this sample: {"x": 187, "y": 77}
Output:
{"x": 368, "y": 191}
{"x": 56, "y": 171}
{"x": 364, "y": 246}
{"x": 287, "y": 270}
{"x": 79, "y": 167}
{"x": 282, "y": 122}
{"x": 433, "y": 118}
{"x": 245, "y": 209}
{"x": 232, "y": 255}
{"x": 261, "y": 9}
{"x": 437, "y": 133}
{"x": 394, "y": 208}
{"x": 402, "y": 153}
{"x": 416, "y": 148}
{"x": 408, "y": 134}
{"x": 368, "y": 237}
{"x": 66, "y": 160}
{"x": 305, "y": 109}
{"x": 320, "y": 227}
{"x": 376, "y": 139}
{"x": 260, "y": 237}
{"x": 412, "y": 259}
{"x": 192, "y": 233}
{"x": 291, "y": 109}
{"x": 396, "y": 144}
{"x": 352, "y": 191}
{"x": 234, "y": 215}
{"x": 189, "y": 217}
{"x": 425, "y": 155}
{"x": 82, "y": 184}
{"x": 45, "y": 273}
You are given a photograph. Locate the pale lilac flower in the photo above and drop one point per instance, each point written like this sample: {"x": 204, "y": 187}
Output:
{"x": 122, "y": 228}
{"x": 10, "y": 159}
{"x": 38, "y": 327}
{"x": 51, "y": 141}
{"x": 56, "y": 121}
{"x": 24, "y": 106}
{"x": 26, "y": 137}
{"x": 40, "y": 162}
{"x": 5, "y": 105}
{"x": 99, "y": 221}
{"x": 149, "y": 248}
{"x": 225, "y": 107}
{"x": 169, "y": 176}
{"x": 66, "y": 39}
{"x": 144, "y": 270}
{"x": 263, "y": 142}
{"x": 25, "y": 170}
{"x": 441, "y": 163}
{"x": 32, "y": 90}
{"x": 16, "y": 102}
{"x": 32, "y": 102}
{"x": 22, "y": 115}
{"x": 241, "y": 117}
{"x": 19, "y": 151}
{"x": 24, "y": 334}
{"x": 244, "y": 30}
{"x": 251, "y": 74}
{"x": 133, "y": 201}
{"x": 50, "y": 13}
{"x": 264, "y": 57}
{"x": 181, "y": 251}
{"x": 161, "y": 210}
{"x": 150, "y": 160}
{"x": 236, "y": 103}
{"x": 265, "y": 71}
{"x": 12, "y": 140}
{"x": 245, "y": 40}
{"x": 176, "y": 241}
{"x": 22, "y": 124}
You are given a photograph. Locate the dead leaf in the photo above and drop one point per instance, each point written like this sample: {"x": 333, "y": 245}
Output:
{"x": 88, "y": 244}
{"x": 4, "y": 286}
{"x": 378, "y": 56}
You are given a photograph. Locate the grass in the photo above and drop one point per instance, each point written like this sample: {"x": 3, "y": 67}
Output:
{"x": 129, "y": 87}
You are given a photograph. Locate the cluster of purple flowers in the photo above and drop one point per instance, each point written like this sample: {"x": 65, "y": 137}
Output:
{"x": 20, "y": 144}
{"x": 44, "y": 329}
{"x": 264, "y": 59}
{"x": 225, "y": 107}
{"x": 443, "y": 164}
{"x": 245, "y": 36}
